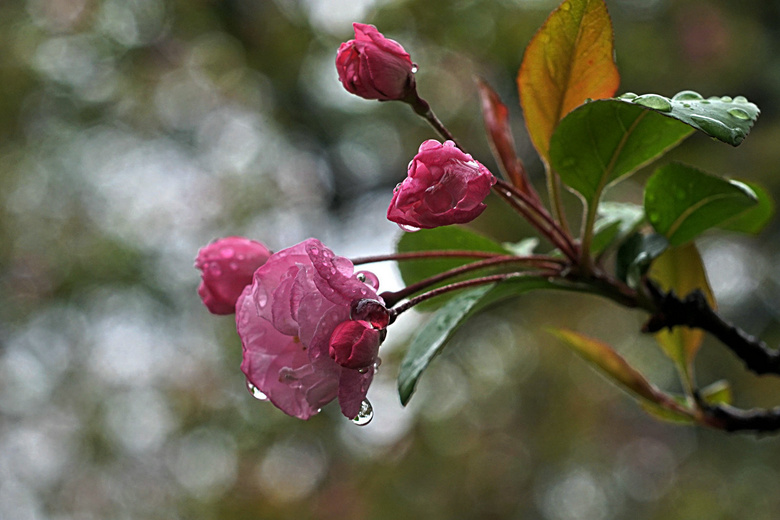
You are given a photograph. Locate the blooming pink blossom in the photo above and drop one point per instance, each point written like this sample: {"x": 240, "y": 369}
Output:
{"x": 444, "y": 186}
{"x": 286, "y": 319}
{"x": 227, "y": 266}
{"x": 374, "y": 67}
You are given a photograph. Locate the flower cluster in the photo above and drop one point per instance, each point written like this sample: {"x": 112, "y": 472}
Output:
{"x": 309, "y": 325}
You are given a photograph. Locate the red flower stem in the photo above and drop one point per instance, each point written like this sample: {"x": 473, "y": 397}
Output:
{"x": 424, "y": 110}
{"x": 546, "y": 262}
{"x": 423, "y": 255}
{"x": 536, "y": 206}
{"x": 538, "y": 219}
{"x": 394, "y": 312}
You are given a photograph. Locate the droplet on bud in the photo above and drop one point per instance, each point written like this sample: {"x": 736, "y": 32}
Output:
{"x": 365, "y": 414}
{"x": 368, "y": 278}
{"x": 371, "y": 311}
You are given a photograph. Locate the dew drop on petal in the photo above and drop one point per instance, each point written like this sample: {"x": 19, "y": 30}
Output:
{"x": 256, "y": 393}
{"x": 234, "y": 266}
{"x": 368, "y": 278}
{"x": 410, "y": 229}
{"x": 215, "y": 269}
{"x": 415, "y": 68}
{"x": 227, "y": 252}
{"x": 365, "y": 414}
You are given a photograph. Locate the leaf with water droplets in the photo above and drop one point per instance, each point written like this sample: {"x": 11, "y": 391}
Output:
{"x": 726, "y": 119}
{"x": 440, "y": 239}
{"x": 699, "y": 201}
{"x": 432, "y": 338}
{"x": 569, "y": 60}
{"x": 603, "y": 141}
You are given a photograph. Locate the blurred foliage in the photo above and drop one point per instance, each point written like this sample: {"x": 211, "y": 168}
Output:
{"x": 134, "y": 131}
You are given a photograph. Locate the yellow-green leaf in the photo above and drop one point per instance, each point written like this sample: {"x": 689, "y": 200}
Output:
{"x": 612, "y": 364}
{"x": 681, "y": 269}
{"x": 569, "y": 60}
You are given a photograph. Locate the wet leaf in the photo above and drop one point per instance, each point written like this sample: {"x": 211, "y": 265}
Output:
{"x": 616, "y": 221}
{"x": 723, "y": 118}
{"x": 681, "y": 202}
{"x": 569, "y": 60}
{"x": 433, "y": 337}
{"x": 603, "y": 141}
{"x": 636, "y": 254}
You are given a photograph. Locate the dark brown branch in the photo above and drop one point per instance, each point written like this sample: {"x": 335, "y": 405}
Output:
{"x": 730, "y": 419}
{"x": 694, "y": 311}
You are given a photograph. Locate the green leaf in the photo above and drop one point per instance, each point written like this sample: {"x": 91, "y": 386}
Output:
{"x": 666, "y": 414}
{"x": 681, "y": 202}
{"x": 636, "y": 254}
{"x": 617, "y": 221}
{"x": 726, "y": 119}
{"x": 440, "y": 239}
{"x": 432, "y": 338}
{"x": 680, "y": 269}
{"x": 603, "y": 141}
{"x": 610, "y": 363}
{"x": 753, "y": 220}
{"x": 525, "y": 247}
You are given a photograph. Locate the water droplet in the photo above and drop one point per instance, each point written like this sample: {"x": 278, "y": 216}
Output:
{"x": 315, "y": 250}
{"x": 627, "y": 95}
{"x": 333, "y": 271}
{"x": 747, "y": 190}
{"x": 415, "y": 68}
{"x": 687, "y": 105}
{"x": 256, "y": 393}
{"x": 410, "y": 229}
{"x": 654, "y": 101}
{"x": 739, "y": 113}
{"x": 713, "y": 98}
{"x": 726, "y": 99}
{"x": 365, "y": 414}
{"x": 741, "y": 99}
{"x": 713, "y": 127}
{"x": 362, "y": 370}
{"x": 368, "y": 278}
{"x": 688, "y": 95}
{"x": 241, "y": 257}
{"x": 227, "y": 252}
{"x": 361, "y": 277}
{"x": 705, "y": 102}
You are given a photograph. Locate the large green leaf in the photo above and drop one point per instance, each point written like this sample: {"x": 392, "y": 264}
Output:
{"x": 681, "y": 202}
{"x": 726, "y": 119}
{"x": 432, "y": 338}
{"x": 754, "y": 219}
{"x": 603, "y": 141}
{"x": 441, "y": 238}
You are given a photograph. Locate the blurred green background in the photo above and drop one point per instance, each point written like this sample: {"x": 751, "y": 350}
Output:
{"x": 132, "y": 132}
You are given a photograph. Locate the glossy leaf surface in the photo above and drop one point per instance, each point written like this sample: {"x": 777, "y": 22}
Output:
{"x": 754, "y": 219}
{"x": 603, "y": 141}
{"x": 681, "y": 202}
{"x": 569, "y": 60}
{"x": 434, "y": 336}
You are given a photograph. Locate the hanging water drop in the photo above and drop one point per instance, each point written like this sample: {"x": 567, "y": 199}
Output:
{"x": 654, "y": 101}
{"x": 256, "y": 393}
{"x": 365, "y": 414}
{"x": 688, "y": 95}
{"x": 739, "y": 113}
{"x": 410, "y": 229}
{"x": 414, "y": 68}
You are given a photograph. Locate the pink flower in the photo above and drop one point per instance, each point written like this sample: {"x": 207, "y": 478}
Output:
{"x": 286, "y": 320}
{"x": 227, "y": 266}
{"x": 374, "y": 67}
{"x": 444, "y": 186}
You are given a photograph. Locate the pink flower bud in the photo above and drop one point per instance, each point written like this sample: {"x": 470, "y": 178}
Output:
{"x": 354, "y": 344}
{"x": 227, "y": 267}
{"x": 374, "y": 67}
{"x": 444, "y": 186}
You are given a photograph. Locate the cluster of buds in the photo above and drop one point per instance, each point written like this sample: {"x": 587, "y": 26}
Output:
{"x": 309, "y": 325}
